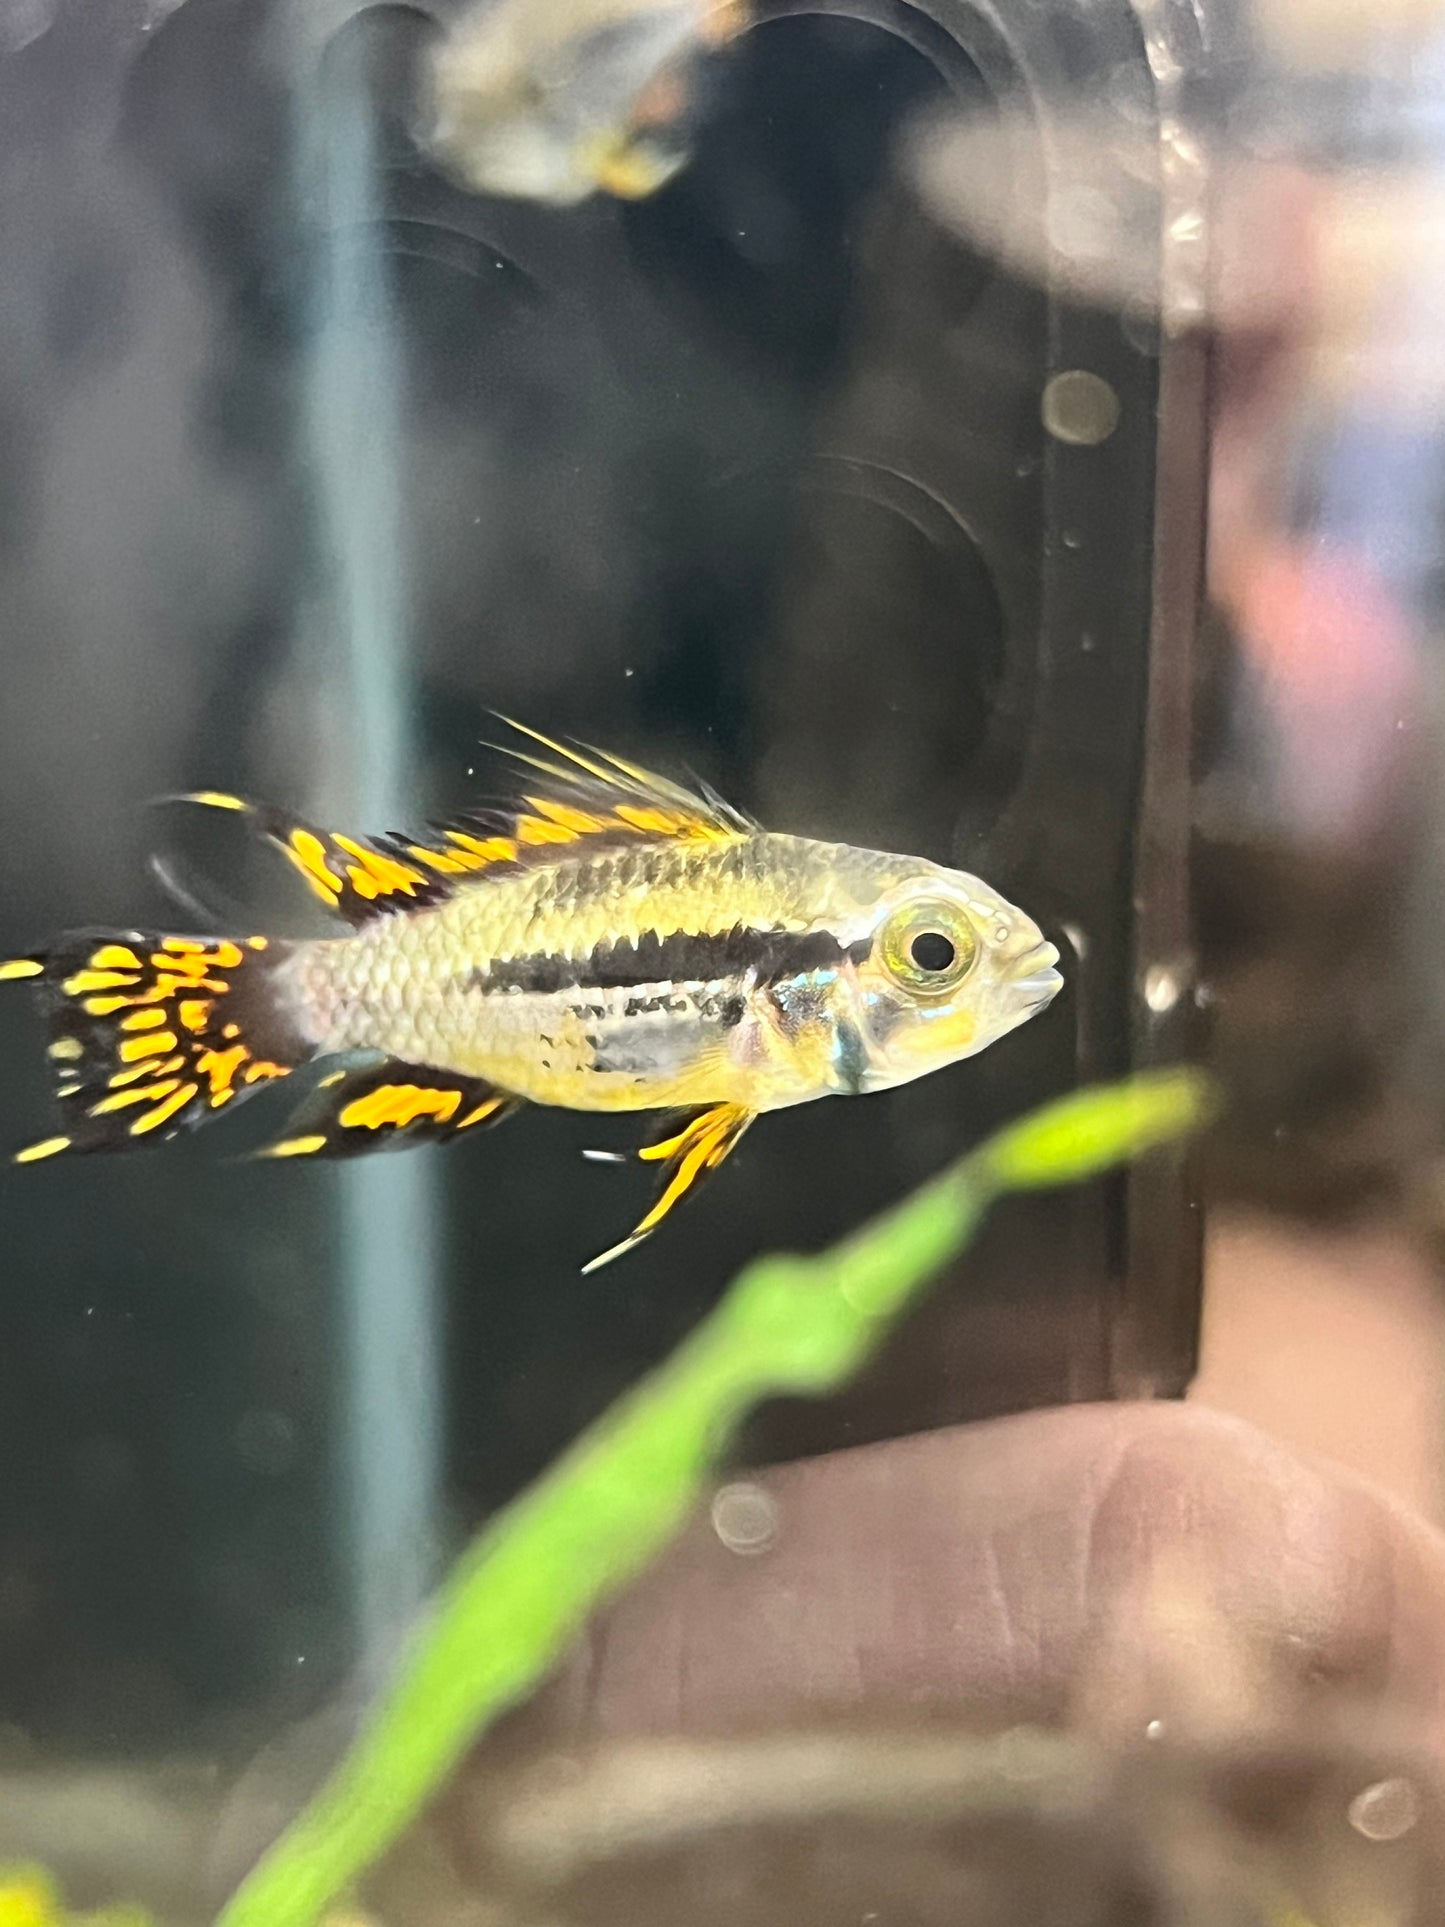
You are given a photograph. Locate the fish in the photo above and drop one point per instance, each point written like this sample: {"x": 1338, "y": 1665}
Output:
{"x": 606, "y": 940}
{"x": 556, "y": 100}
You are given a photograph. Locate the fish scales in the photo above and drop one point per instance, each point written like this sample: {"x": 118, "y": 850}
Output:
{"x": 502, "y": 982}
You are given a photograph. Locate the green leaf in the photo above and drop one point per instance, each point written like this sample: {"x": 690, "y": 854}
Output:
{"x": 521, "y": 1593}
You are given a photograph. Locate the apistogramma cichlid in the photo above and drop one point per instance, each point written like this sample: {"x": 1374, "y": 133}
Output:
{"x": 612, "y": 942}
{"x": 554, "y": 100}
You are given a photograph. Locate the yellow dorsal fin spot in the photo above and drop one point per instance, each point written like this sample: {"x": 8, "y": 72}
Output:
{"x": 653, "y": 822}
{"x": 46, "y": 1148}
{"x": 115, "y": 956}
{"x": 104, "y": 1006}
{"x": 491, "y": 849}
{"x": 575, "y": 822}
{"x": 216, "y": 800}
{"x": 533, "y": 830}
{"x": 194, "y": 1014}
{"x": 483, "y": 1110}
{"x": 167, "y": 1109}
{"x": 308, "y": 853}
{"x": 183, "y": 946}
{"x": 439, "y": 861}
{"x": 66, "y": 1049}
{"x": 382, "y": 873}
{"x": 17, "y": 967}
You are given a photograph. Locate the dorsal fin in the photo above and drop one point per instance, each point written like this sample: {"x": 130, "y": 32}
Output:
{"x": 570, "y": 796}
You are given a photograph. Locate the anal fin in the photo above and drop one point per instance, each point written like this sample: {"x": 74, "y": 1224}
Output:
{"x": 388, "y": 1106}
{"x": 689, "y": 1156}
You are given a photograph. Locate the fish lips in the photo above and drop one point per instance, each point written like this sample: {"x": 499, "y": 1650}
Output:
{"x": 1036, "y": 979}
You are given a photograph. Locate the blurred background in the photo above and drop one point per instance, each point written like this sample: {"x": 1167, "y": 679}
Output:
{"x": 1010, "y": 436}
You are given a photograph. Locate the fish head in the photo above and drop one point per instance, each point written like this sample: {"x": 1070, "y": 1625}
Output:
{"x": 951, "y": 967}
{"x": 548, "y": 103}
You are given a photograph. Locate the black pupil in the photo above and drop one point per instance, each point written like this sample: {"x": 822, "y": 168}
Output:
{"x": 931, "y": 950}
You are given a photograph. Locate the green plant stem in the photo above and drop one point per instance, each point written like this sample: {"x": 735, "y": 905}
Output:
{"x": 522, "y": 1591}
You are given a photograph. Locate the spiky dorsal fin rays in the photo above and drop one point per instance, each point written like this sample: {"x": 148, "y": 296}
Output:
{"x": 690, "y": 1156}
{"x": 589, "y": 797}
{"x": 612, "y": 782}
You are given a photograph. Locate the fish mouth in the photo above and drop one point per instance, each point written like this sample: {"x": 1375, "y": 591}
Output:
{"x": 1036, "y": 979}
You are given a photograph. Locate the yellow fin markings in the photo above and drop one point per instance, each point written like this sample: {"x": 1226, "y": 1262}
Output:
{"x": 151, "y": 1033}
{"x": 691, "y": 1153}
{"x": 164, "y": 1110}
{"x": 379, "y": 1106}
{"x": 295, "y": 1147}
{"x": 48, "y": 1147}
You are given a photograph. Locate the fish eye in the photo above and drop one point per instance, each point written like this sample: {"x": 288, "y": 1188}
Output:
{"x": 929, "y": 947}
{"x": 932, "y": 951}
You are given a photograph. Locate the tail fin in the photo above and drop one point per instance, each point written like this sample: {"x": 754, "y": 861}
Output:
{"x": 151, "y": 1035}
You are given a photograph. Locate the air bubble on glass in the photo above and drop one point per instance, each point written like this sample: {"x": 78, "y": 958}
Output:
{"x": 1080, "y": 408}
{"x": 745, "y": 1518}
{"x": 1385, "y": 1810}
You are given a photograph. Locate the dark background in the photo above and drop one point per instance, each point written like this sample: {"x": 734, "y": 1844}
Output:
{"x": 748, "y": 479}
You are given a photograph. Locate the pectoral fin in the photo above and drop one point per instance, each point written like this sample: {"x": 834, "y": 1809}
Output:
{"x": 688, "y": 1156}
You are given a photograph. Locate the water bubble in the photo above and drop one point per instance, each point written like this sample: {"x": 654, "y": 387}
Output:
{"x": 745, "y": 1518}
{"x": 1385, "y": 1810}
{"x": 1079, "y": 408}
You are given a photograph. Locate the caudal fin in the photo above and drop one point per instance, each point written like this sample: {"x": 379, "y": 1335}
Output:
{"x": 151, "y": 1035}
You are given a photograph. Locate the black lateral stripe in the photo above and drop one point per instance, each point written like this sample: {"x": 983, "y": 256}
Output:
{"x": 682, "y": 958}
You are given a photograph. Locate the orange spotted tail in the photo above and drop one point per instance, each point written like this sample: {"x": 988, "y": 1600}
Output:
{"x": 152, "y": 1034}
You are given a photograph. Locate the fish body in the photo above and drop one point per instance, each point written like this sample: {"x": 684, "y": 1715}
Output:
{"x": 610, "y": 943}
{"x": 556, "y": 100}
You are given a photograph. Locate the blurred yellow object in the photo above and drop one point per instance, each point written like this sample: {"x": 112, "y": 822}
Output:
{"x": 30, "y": 1898}
{"x": 27, "y": 1899}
